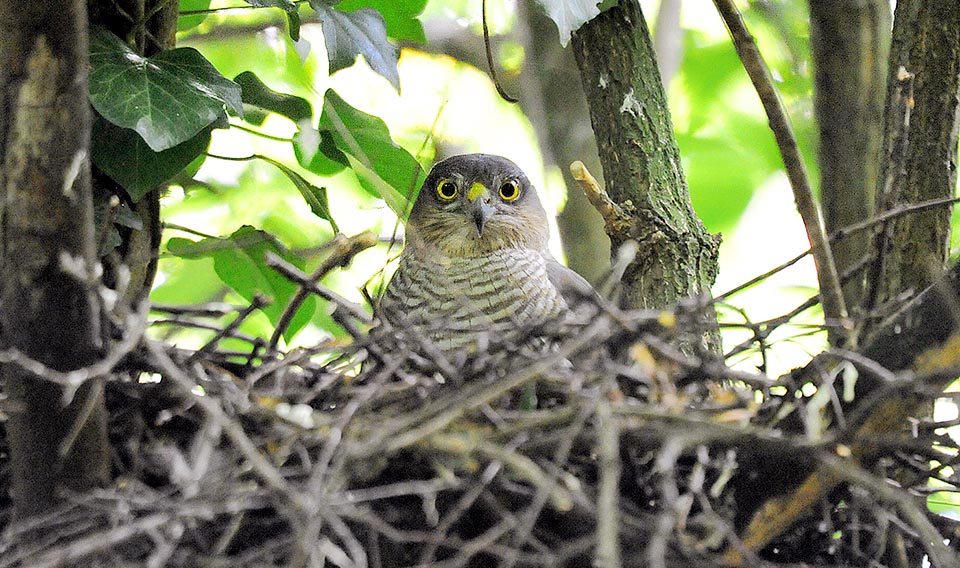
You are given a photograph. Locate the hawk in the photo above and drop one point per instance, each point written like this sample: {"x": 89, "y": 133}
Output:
{"x": 475, "y": 261}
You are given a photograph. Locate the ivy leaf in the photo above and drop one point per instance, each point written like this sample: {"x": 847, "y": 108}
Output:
{"x": 289, "y": 7}
{"x": 569, "y": 15}
{"x": 384, "y": 168}
{"x": 167, "y": 98}
{"x": 319, "y": 155}
{"x": 255, "y": 92}
{"x": 363, "y": 32}
{"x": 316, "y": 197}
{"x": 239, "y": 261}
{"x": 400, "y": 16}
{"x": 123, "y": 155}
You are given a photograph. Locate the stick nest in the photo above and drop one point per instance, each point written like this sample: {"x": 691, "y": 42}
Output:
{"x": 613, "y": 440}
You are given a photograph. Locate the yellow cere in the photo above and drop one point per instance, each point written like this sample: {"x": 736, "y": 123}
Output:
{"x": 476, "y": 190}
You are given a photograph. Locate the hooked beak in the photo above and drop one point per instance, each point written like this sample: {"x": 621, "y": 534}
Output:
{"x": 480, "y": 210}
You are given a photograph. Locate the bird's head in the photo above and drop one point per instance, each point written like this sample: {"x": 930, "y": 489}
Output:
{"x": 474, "y": 204}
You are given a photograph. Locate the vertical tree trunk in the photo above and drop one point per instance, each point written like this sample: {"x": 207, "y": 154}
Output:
{"x": 850, "y": 41}
{"x": 926, "y": 43}
{"x": 48, "y": 308}
{"x": 641, "y": 162}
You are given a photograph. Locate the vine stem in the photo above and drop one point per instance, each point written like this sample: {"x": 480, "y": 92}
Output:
{"x": 490, "y": 64}
{"x": 831, "y": 296}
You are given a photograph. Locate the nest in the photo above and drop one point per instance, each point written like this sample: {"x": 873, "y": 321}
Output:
{"x": 612, "y": 439}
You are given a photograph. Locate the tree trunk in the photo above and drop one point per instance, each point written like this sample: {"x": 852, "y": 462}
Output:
{"x": 926, "y": 43}
{"x": 850, "y": 41}
{"x": 641, "y": 162}
{"x": 48, "y": 307}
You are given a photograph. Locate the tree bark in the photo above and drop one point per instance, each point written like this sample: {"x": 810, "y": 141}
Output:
{"x": 641, "y": 162}
{"x": 850, "y": 41}
{"x": 926, "y": 43}
{"x": 48, "y": 309}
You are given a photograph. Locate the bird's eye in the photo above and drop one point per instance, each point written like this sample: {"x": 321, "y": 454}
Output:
{"x": 446, "y": 189}
{"x": 509, "y": 190}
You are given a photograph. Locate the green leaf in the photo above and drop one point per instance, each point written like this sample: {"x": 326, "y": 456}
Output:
{"x": 400, "y": 16}
{"x": 320, "y": 155}
{"x": 239, "y": 262}
{"x": 254, "y": 92}
{"x": 185, "y": 23}
{"x": 384, "y": 168}
{"x": 167, "y": 98}
{"x": 123, "y": 155}
{"x": 350, "y": 34}
{"x": 315, "y": 196}
{"x": 289, "y": 7}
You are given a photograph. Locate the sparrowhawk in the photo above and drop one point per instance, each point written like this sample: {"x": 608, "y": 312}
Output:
{"x": 475, "y": 261}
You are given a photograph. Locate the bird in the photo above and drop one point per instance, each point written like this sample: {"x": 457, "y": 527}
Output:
{"x": 475, "y": 263}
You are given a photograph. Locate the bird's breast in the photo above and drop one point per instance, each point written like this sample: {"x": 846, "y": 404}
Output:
{"x": 454, "y": 300}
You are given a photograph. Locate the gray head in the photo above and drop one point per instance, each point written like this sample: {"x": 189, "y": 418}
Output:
{"x": 474, "y": 204}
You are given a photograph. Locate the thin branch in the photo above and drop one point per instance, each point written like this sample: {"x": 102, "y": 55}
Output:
{"x": 255, "y": 132}
{"x": 490, "y": 64}
{"x": 257, "y": 303}
{"x": 344, "y": 249}
{"x": 832, "y": 295}
{"x": 608, "y": 494}
{"x": 844, "y": 232}
{"x": 211, "y": 407}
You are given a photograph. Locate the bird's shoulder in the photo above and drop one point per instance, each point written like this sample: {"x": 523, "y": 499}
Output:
{"x": 571, "y": 285}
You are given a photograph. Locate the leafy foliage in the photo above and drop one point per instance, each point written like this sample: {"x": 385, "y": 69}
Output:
{"x": 256, "y": 93}
{"x": 167, "y": 99}
{"x": 239, "y": 262}
{"x": 385, "y": 169}
{"x": 400, "y": 16}
{"x": 123, "y": 155}
{"x": 191, "y": 21}
{"x": 348, "y": 35}
{"x": 289, "y": 7}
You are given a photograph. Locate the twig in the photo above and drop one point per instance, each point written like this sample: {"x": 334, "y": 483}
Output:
{"x": 615, "y": 217}
{"x": 436, "y": 416}
{"x": 844, "y": 232}
{"x": 608, "y": 493}
{"x": 343, "y": 252}
{"x": 211, "y": 407}
{"x": 257, "y": 303}
{"x": 213, "y": 309}
{"x": 545, "y": 490}
{"x": 72, "y": 380}
{"x": 830, "y": 291}
{"x": 490, "y": 63}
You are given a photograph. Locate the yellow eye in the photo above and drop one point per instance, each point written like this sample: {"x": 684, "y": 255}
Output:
{"x": 509, "y": 190}
{"x": 446, "y": 189}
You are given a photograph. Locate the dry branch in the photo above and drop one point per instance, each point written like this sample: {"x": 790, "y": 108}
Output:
{"x": 638, "y": 454}
{"x": 834, "y": 307}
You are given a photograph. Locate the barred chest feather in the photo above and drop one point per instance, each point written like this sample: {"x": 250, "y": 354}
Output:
{"x": 452, "y": 301}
